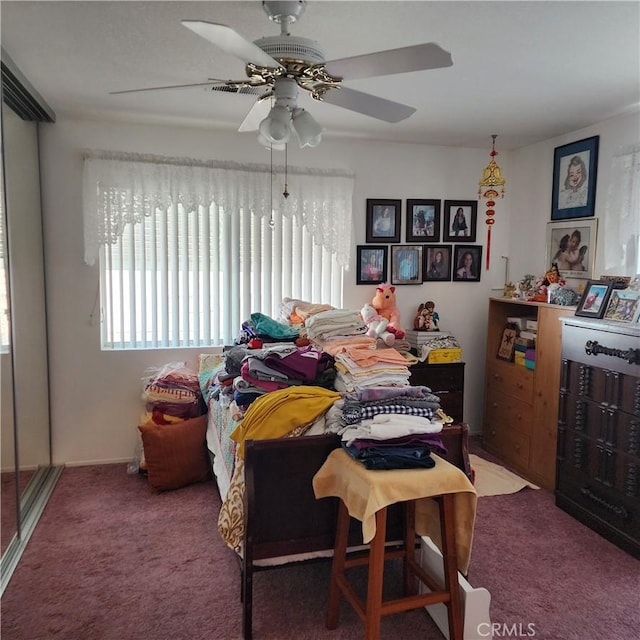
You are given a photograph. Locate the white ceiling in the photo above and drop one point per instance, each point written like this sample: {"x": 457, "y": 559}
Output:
{"x": 527, "y": 71}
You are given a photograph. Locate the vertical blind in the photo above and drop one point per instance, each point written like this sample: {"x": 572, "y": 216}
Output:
{"x": 179, "y": 268}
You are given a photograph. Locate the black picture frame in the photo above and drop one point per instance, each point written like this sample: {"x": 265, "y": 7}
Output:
{"x": 460, "y": 271}
{"x": 383, "y": 220}
{"x": 431, "y": 269}
{"x": 468, "y": 209}
{"x": 372, "y": 261}
{"x": 406, "y": 264}
{"x": 575, "y": 168}
{"x": 422, "y": 220}
{"x": 595, "y": 299}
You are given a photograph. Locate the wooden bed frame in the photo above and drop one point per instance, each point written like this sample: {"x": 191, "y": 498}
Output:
{"x": 282, "y": 515}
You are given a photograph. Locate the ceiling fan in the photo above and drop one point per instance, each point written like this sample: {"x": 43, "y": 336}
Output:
{"x": 278, "y": 67}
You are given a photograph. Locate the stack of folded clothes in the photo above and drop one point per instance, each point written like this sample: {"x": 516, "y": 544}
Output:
{"x": 361, "y": 366}
{"x": 391, "y": 427}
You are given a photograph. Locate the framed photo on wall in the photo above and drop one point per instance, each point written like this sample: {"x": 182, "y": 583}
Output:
{"x": 467, "y": 262}
{"x": 575, "y": 167}
{"x": 594, "y": 299}
{"x": 460, "y": 217}
{"x": 372, "y": 264}
{"x": 383, "y": 220}
{"x": 423, "y": 221}
{"x": 571, "y": 245}
{"x": 406, "y": 264}
{"x": 437, "y": 263}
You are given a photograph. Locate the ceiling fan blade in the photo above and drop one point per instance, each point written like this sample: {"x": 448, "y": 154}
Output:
{"x": 229, "y": 41}
{"x": 383, "y": 63}
{"x": 211, "y": 83}
{"x": 256, "y": 115}
{"x": 368, "y": 104}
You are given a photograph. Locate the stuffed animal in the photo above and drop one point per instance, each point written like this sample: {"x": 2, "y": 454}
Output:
{"x": 377, "y": 325}
{"x": 384, "y": 302}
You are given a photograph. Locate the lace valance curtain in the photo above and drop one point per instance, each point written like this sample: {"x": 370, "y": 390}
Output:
{"x": 121, "y": 189}
{"x": 622, "y": 228}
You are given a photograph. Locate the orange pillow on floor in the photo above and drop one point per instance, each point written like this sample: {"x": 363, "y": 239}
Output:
{"x": 175, "y": 454}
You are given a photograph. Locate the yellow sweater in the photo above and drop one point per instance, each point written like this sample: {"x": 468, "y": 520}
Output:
{"x": 278, "y": 413}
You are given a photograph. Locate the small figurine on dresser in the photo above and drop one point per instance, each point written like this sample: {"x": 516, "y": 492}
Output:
{"x": 427, "y": 318}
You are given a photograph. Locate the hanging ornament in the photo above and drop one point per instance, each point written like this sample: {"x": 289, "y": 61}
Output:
{"x": 488, "y": 186}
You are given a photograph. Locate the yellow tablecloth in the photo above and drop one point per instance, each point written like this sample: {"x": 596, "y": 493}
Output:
{"x": 364, "y": 492}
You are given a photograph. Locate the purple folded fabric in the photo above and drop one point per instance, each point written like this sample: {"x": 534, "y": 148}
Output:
{"x": 434, "y": 443}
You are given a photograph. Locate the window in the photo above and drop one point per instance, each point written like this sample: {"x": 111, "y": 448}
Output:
{"x": 186, "y": 271}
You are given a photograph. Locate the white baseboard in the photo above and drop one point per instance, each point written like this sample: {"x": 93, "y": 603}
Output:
{"x": 475, "y": 602}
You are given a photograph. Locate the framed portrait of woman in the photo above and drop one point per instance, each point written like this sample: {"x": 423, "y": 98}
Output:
{"x": 571, "y": 245}
{"x": 423, "y": 221}
{"x": 460, "y": 218}
{"x": 372, "y": 264}
{"x": 467, "y": 262}
{"x": 437, "y": 263}
{"x": 383, "y": 220}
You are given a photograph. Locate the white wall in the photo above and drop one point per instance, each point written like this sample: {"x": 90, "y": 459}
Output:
{"x": 95, "y": 395}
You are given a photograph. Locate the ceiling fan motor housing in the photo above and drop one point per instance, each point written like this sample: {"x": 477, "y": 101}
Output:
{"x": 292, "y": 48}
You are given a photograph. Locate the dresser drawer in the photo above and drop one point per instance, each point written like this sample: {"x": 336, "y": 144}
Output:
{"x": 511, "y": 380}
{"x": 438, "y": 377}
{"x": 512, "y": 445}
{"x": 507, "y": 412}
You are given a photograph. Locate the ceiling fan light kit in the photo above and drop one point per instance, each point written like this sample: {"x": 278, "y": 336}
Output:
{"x": 278, "y": 66}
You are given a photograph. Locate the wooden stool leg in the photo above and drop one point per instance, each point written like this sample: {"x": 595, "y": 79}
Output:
{"x": 337, "y": 566}
{"x": 376, "y": 575}
{"x": 409, "y": 579}
{"x": 450, "y": 559}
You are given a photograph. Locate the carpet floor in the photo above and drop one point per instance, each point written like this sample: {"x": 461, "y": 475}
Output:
{"x": 112, "y": 560}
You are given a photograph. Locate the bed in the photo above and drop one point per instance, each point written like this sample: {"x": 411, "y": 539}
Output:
{"x": 269, "y": 513}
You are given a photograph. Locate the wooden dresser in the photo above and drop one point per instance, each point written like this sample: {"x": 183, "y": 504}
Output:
{"x": 599, "y": 429}
{"x": 446, "y": 380}
{"x": 521, "y": 405}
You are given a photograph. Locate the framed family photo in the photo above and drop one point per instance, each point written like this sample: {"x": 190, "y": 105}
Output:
{"x": 594, "y": 299}
{"x": 383, "y": 220}
{"x": 371, "y": 264}
{"x": 571, "y": 245}
{"x": 437, "y": 263}
{"x": 467, "y": 262}
{"x": 406, "y": 264}
{"x": 423, "y": 221}
{"x": 460, "y": 218}
{"x": 575, "y": 168}
{"x": 623, "y": 305}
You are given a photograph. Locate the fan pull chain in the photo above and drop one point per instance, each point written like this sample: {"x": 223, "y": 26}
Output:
{"x": 285, "y": 193}
{"x": 272, "y": 223}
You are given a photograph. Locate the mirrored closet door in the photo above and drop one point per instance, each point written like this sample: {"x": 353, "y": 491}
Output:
{"x": 27, "y": 473}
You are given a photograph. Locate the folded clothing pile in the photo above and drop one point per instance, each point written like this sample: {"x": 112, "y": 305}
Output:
{"x": 392, "y": 427}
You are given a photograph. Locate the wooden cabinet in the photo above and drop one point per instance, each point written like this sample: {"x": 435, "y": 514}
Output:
{"x": 599, "y": 429}
{"x": 521, "y": 405}
{"x": 446, "y": 381}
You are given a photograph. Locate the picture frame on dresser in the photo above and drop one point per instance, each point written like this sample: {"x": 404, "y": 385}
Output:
{"x": 595, "y": 299}
{"x": 423, "y": 221}
{"x": 623, "y": 306}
